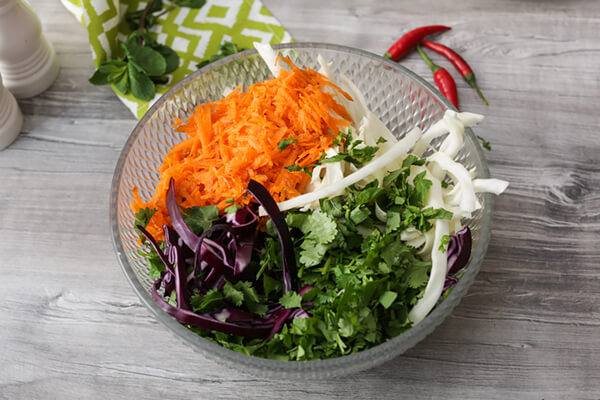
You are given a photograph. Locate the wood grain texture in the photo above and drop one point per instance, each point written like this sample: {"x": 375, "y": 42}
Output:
{"x": 71, "y": 328}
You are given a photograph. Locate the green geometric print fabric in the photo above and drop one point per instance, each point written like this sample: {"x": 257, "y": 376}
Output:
{"x": 195, "y": 34}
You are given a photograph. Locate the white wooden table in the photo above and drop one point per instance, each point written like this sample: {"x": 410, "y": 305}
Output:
{"x": 72, "y": 328}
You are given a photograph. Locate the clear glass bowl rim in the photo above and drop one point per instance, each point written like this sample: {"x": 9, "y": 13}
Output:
{"x": 318, "y": 368}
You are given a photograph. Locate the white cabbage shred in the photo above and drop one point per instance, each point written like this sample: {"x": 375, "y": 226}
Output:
{"x": 459, "y": 196}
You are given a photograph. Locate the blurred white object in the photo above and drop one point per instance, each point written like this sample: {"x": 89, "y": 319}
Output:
{"x": 11, "y": 119}
{"x": 28, "y": 62}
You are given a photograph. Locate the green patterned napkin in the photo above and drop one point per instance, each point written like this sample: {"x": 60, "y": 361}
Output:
{"x": 195, "y": 34}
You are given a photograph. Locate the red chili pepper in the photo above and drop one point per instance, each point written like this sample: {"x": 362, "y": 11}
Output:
{"x": 442, "y": 78}
{"x": 411, "y": 39}
{"x": 459, "y": 62}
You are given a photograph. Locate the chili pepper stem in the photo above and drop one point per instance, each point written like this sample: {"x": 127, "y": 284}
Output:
{"x": 434, "y": 67}
{"x": 470, "y": 78}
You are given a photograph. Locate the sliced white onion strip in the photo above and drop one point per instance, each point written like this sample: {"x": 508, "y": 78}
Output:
{"x": 440, "y": 128}
{"x": 269, "y": 56}
{"x": 468, "y": 200}
{"x": 454, "y": 141}
{"x": 439, "y": 259}
{"x": 399, "y": 149}
{"x": 492, "y": 185}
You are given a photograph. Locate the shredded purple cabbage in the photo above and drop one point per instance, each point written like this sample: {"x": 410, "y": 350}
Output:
{"x": 262, "y": 195}
{"x": 459, "y": 252}
{"x": 222, "y": 252}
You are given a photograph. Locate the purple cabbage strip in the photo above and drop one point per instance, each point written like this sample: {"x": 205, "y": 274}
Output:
{"x": 281, "y": 317}
{"x": 459, "y": 251}
{"x": 156, "y": 247}
{"x": 184, "y": 231}
{"x": 450, "y": 281}
{"x": 181, "y": 288}
{"x": 207, "y": 321}
{"x": 224, "y": 255}
{"x": 262, "y": 195}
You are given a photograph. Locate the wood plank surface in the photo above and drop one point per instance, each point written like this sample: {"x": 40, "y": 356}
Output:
{"x": 72, "y": 328}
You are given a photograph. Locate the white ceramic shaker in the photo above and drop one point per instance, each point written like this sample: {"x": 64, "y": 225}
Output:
{"x": 28, "y": 62}
{"x": 11, "y": 119}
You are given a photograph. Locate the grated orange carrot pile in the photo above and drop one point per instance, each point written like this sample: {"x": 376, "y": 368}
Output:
{"x": 236, "y": 139}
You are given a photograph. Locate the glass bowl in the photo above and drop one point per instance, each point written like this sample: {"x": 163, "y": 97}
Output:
{"x": 398, "y": 96}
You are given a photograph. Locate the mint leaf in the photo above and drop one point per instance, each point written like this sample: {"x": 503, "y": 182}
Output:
{"x": 99, "y": 78}
{"x": 133, "y": 18}
{"x": 291, "y": 300}
{"x": 171, "y": 58}
{"x": 122, "y": 83}
{"x": 111, "y": 66}
{"x": 141, "y": 86}
{"x": 226, "y": 49}
{"x": 190, "y": 3}
{"x": 145, "y": 59}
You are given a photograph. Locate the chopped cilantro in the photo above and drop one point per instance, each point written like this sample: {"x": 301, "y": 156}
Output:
{"x": 444, "y": 242}
{"x": 486, "y": 145}
{"x": 286, "y": 142}
{"x": 142, "y": 217}
{"x": 291, "y": 300}
{"x": 364, "y": 278}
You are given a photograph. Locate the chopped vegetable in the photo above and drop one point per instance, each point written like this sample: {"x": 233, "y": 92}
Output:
{"x": 366, "y": 226}
{"x": 209, "y": 171}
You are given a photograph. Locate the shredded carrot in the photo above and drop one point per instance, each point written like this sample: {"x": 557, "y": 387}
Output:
{"x": 233, "y": 140}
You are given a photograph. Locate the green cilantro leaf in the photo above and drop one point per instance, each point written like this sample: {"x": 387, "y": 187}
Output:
{"x": 233, "y": 294}
{"x": 172, "y": 300}
{"x": 286, "y": 142}
{"x": 142, "y": 217}
{"x": 486, "y": 145}
{"x": 200, "y": 219}
{"x": 210, "y": 301}
{"x": 231, "y": 209}
{"x": 443, "y": 243}
{"x": 291, "y": 300}
{"x": 417, "y": 274}
{"x": 387, "y": 298}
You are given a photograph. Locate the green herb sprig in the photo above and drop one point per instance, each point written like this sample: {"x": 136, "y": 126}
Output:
{"x": 145, "y": 62}
{"x": 226, "y": 49}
